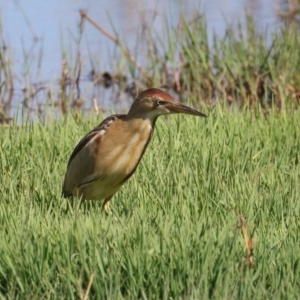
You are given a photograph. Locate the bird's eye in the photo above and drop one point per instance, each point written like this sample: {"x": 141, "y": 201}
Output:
{"x": 159, "y": 102}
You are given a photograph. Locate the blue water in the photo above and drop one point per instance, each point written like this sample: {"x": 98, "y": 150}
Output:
{"x": 29, "y": 26}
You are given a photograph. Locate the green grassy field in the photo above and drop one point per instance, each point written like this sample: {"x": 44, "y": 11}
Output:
{"x": 178, "y": 235}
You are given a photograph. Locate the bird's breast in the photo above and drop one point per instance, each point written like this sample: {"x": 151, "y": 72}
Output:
{"x": 127, "y": 148}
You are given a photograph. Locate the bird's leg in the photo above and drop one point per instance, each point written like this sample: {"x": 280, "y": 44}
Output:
{"x": 106, "y": 205}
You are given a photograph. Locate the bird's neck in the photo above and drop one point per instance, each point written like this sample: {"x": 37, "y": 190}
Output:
{"x": 140, "y": 121}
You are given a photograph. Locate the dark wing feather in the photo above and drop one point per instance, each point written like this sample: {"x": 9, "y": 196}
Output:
{"x": 102, "y": 126}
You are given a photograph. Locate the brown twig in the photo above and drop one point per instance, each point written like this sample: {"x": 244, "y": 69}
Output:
{"x": 85, "y": 296}
{"x": 114, "y": 39}
{"x": 27, "y": 21}
{"x": 293, "y": 11}
{"x": 249, "y": 242}
{"x": 96, "y": 107}
{"x": 77, "y": 80}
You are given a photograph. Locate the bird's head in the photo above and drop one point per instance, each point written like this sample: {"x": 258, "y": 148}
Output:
{"x": 152, "y": 103}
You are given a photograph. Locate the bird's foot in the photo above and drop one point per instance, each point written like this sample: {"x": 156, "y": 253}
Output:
{"x": 106, "y": 208}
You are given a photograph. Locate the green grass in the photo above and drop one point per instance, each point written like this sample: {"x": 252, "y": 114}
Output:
{"x": 177, "y": 235}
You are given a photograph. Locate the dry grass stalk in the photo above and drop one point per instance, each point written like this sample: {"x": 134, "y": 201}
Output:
{"x": 84, "y": 296}
{"x": 249, "y": 241}
{"x": 115, "y": 40}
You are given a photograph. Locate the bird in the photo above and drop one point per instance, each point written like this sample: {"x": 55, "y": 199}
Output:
{"x": 106, "y": 157}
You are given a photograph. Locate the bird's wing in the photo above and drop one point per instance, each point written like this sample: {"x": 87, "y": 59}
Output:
{"x": 81, "y": 165}
{"x": 83, "y": 142}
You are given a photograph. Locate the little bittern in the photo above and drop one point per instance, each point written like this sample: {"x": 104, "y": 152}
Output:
{"x": 106, "y": 157}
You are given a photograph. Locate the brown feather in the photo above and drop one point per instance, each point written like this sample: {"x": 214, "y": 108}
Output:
{"x": 91, "y": 134}
{"x": 143, "y": 152}
{"x": 97, "y": 170}
{"x": 107, "y": 157}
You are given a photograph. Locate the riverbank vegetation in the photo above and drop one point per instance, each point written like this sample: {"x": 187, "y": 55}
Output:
{"x": 213, "y": 209}
{"x": 245, "y": 67}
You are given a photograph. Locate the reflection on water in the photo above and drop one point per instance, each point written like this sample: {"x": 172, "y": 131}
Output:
{"x": 55, "y": 23}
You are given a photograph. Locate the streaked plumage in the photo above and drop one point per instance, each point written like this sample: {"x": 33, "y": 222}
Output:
{"x": 107, "y": 156}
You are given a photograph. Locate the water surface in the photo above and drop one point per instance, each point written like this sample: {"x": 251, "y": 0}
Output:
{"x": 54, "y": 25}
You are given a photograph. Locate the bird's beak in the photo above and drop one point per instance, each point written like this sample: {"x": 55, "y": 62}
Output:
{"x": 177, "y": 108}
